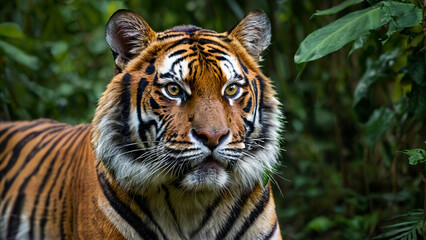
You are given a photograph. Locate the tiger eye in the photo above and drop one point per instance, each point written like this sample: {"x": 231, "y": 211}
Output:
{"x": 231, "y": 90}
{"x": 173, "y": 89}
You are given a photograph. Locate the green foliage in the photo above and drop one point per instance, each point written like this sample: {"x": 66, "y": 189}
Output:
{"x": 356, "y": 24}
{"x": 11, "y": 30}
{"x": 337, "y": 8}
{"x": 416, "y": 156}
{"x": 388, "y": 99}
{"x": 405, "y": 226}
{"x": 377, "y": 125}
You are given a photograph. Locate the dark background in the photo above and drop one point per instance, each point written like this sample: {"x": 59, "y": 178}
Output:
{"x": 330, "y": 185}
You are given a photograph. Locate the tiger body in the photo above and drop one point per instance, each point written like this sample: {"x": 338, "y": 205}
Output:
{"x": 177, "y": 148}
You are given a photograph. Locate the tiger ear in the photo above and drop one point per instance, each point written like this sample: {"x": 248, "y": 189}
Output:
{"x": 253, "y": 32}
{"x": 127, "y": 34}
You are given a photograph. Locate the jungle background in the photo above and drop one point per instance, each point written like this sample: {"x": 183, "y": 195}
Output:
{"x": 343, "y": 172}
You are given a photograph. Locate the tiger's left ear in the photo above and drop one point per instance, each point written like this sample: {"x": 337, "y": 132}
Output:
{"x": 127, "y": 34}
{"x": 253, "y": 32}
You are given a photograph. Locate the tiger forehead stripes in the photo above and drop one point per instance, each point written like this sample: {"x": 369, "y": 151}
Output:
{"x": 178, "y": 147}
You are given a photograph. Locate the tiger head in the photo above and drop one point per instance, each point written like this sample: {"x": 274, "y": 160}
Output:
{"x": 187, "y": 106}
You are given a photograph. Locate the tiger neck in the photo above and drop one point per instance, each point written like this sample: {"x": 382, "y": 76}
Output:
{"x": 165, "y": 209}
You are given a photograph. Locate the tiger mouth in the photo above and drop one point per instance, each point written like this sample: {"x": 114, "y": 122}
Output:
{"x": 208, "y": 164}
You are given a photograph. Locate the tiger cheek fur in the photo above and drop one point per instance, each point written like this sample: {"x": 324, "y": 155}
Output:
{"x": 177, "y": 149}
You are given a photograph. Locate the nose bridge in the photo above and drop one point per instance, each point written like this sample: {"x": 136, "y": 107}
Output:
{"x": 209, "y": 115}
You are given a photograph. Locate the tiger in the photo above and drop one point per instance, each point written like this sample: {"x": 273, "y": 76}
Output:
{"x": 182, "y": 144}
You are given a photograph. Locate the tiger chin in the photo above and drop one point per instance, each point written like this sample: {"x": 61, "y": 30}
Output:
{"x": 178, "y": 147}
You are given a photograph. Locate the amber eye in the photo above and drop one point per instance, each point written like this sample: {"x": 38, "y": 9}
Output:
{"x": 231, "y": 90}
{"x": 174, "y": 89}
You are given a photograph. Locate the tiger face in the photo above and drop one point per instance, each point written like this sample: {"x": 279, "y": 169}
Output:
{"x": 188, "y": 107}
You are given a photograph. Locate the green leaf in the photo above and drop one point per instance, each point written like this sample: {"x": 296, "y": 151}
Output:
{"x": 320, "y": 224}
{"x": 19, "y": 56}
{"x": 375, "y": 69}
{"x": 12, "y": 30}
{"x": 337, "y": 8}
{"x": 379, "y": 122}
{"x": 359, "y": 43}
{"x": 340, "y": 32}
{"x": 404, "y": 226}
{"x": 403, "y": 15}
{"x": 416, "y": 156}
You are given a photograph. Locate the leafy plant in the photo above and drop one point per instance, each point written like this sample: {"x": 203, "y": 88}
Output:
{"x": 416, "y": 156}
{"x": 356, "y": 24}
{"x": 404, "y": 227}
{"x": 389, "y": 99}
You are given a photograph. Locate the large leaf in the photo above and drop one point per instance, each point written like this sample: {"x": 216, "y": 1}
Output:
{"x": 11, "y": 30}
{"x": 19, "y": 56}
{"x": 403, "y": 15}
{"x": 337, "y": 8}
{"x": 338, "y": 33}
{"x": 352, "y": 26}
{"x": 377, "y": 125}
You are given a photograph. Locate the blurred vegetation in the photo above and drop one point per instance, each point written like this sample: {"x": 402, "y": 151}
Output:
{"x": 344, "y": 171}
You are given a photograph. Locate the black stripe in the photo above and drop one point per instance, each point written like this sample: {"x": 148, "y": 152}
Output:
{"x": 215, "y": 50}
{"x": 5, "y": 128}
{"x": 178, "y": 52}
{"x": 254, "y": 214}
{"x": 172, "y": 210}
{"x": 125, "y": 106}
{"x": 125, "y": 211}
{"x": 242, "y": 65}
{"x": 233, "y": 216}
{"x": 180, "y": 42}
{"x": 249, "y": 127}
{"x": 154, "y": 104}
{"x": 141, "y": 89}
{"x": 15, "y": 215}
{"x": 247, "y": 108}
{"x": 207, "y": 216}
{"x": 164, "y": 125}
{"x": 271, "y": 232}
{"x": 17, "y": 151}
{"x": 203, "y": 41}
{"x": 176, "y": 62}
{"x": 190, "y": 66}
{"x": 262, "y": 92}
{"x": 170, "y": 36}
{"x": 150, "y": 69}
{"x": 143, "y": 205}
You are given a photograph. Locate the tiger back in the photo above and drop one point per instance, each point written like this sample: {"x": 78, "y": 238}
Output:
{"x": 178, "y": 148}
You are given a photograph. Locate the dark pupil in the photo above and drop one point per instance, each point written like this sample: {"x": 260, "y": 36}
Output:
{"x": 174, "y": 89}
{"x": 231, "y": 89}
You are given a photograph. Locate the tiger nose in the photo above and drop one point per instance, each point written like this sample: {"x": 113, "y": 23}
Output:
{"x": 210, "y": 138}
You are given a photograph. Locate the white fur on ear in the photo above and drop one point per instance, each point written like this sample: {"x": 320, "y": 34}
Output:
{"x": 253, "y": 32}
{"x": 127, "y": 34}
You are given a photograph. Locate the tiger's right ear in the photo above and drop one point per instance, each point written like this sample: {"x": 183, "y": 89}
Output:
{"x": 127, "y": 34}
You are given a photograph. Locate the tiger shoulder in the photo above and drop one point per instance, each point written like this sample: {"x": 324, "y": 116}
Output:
{"x": 178, "y": 148}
